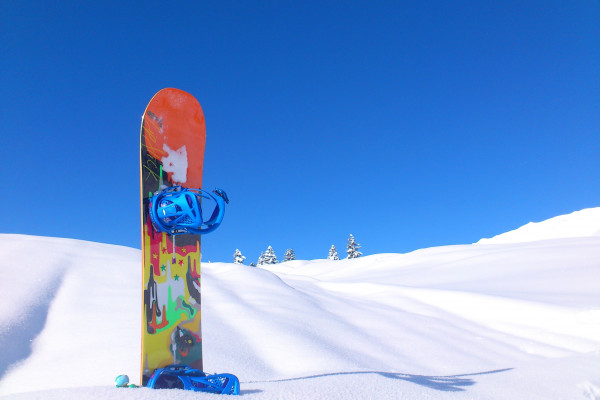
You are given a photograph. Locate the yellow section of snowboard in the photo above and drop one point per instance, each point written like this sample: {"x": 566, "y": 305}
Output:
{"x": 171, "y": 312}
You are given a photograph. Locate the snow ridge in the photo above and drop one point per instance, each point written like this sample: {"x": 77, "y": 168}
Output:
{"x": 584, "y": 223}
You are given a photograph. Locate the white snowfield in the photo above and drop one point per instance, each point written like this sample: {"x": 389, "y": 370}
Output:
{"x": 513, "y": 317}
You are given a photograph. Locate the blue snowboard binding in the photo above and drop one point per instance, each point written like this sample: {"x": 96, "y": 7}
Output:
{"x": 177, "y": 210}
{"x": 187, "y": 378}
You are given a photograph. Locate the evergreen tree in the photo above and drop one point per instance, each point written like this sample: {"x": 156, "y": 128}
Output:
{"x": 333, "y": 254}
{"x": 238, "y": 258}
{"x": 269, "y": 256}
{"x": 289, "y": 255}
{"x": 261, "y": 259}
{"x": 352, "y": 248}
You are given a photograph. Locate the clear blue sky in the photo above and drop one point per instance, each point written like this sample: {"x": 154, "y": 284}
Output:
{"x": 409, "y": 124}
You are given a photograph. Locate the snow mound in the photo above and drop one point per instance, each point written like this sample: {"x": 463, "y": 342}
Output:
{"x": 584, "y": 223}
{"x": 514, "y": 320}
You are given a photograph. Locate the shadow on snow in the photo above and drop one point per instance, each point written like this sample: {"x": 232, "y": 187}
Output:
{"x": 17, "y": 340}
{"x": 450, "y": 383}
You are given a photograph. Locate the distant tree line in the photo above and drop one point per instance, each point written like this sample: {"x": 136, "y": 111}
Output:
{"x": 269, "y": 257}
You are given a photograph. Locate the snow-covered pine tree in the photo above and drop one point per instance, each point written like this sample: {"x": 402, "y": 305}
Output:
{"x": 352, "y": 248}
{"x": 238, "y": 258}
{"x": 289, "y": 255}
{"x": 269, "y": 256}
{"x": 261, "y": 259}
{"x": 333, "y": 254}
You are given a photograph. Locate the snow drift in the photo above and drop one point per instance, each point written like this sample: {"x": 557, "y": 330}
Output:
{"x": 517, "y": 316}
{"x": 582, "y": 223}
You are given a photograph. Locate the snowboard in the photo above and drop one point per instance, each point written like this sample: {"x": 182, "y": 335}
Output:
{"x": 173, "y": 136}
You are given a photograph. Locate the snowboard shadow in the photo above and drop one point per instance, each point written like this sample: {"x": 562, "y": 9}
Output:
{"x": 449, "y": 383}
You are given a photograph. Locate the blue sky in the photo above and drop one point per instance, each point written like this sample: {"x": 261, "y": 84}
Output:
{"x": 409, "y": 124}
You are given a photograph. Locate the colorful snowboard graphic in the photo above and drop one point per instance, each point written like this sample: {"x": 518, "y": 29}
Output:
{"x": 173, "y": 136}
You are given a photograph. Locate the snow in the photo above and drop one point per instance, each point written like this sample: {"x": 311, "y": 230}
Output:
{"x": 582, "y": 223}
{"x": 512, "y": 317}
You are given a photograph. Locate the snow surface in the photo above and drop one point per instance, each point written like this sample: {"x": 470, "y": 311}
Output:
{"x": 582, "y": 223}
{"x": 514, "y": 317}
